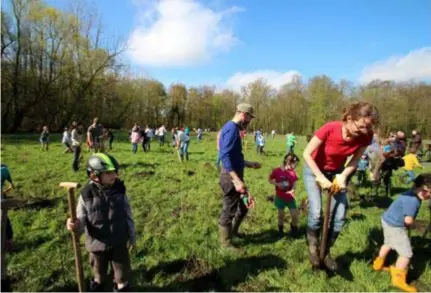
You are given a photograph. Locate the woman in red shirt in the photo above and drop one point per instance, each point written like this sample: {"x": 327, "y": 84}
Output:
{"x": 325, "y": 157}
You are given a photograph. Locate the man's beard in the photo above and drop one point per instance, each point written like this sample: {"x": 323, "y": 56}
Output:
{"x": 243, "y": 125}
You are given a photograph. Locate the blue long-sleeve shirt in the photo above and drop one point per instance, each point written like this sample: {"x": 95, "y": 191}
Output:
{"x": 231, "y": 149}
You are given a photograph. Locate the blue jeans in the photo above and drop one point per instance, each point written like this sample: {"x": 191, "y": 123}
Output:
{"x": 184, "y": 147}
{"x": 134, "y": 147}
{"x": 411, "y": 176}
{"x": 338, "y": 204}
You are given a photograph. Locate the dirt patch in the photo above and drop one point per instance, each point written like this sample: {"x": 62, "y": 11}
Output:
{"x": 270, "y": 198}
{"x": 37, "y": 204}
{"x": 144, "y": 174}
{"x": 194, "y": 268}
{"x": 191, "y": 173}
{"x": 173, "y": 179}
{"x": 176, "y": 212}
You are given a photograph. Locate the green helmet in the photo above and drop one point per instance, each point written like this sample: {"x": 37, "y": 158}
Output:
{"x": 100, "y": 162}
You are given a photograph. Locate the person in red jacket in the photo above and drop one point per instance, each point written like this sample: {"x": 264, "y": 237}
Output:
{"x": 325, "y": 158}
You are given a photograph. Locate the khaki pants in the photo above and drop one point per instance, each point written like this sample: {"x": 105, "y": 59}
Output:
{"x": 118, "y": 257}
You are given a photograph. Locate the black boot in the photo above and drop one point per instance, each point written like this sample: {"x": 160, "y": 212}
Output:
{"x": 281, "y": 230}
{"x": 313, "y": 253}
{"x": 294, "y": 232}
{"x": 226, "y": 238}
{"x": 235, "y": 227}
{"x": 329, "y": 262}
{"x": 93, "y": 286}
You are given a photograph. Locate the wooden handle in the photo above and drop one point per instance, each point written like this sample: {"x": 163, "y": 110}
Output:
{"x": 75, "y": 236}
{"x": 324, "y": 241}
{"x": 70, "y": 185}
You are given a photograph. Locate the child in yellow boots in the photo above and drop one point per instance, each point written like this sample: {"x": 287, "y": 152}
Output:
{"x": 396, "y": 221}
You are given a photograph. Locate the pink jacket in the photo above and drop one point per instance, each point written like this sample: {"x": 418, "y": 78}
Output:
{"x": 135, "y": 137}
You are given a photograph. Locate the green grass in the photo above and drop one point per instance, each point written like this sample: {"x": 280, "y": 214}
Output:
{"x": 176, "y": 209}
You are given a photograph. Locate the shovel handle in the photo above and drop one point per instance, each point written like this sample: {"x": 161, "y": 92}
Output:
{"x": 325, "y": 226}
{"x": 71, "y": 186}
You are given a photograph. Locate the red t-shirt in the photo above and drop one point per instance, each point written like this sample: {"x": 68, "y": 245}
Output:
{"x": 281, "y": 175}
{"x": 332, "y": 154}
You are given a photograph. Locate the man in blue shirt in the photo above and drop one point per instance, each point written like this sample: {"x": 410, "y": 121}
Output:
{"x": 235, "y": 199}
{"x": 396, "y": 221}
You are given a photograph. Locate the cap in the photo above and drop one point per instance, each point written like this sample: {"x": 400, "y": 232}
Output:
{"x": 247, "y": 108}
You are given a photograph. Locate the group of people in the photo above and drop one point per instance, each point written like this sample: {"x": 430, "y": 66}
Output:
{"x": 331, "y": 157}
{"x": 384, "y": 156}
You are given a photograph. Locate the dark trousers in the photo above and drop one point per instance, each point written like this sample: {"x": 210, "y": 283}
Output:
{"x": 233, "y": 206}
{"x": 76, "y": 154}
{"x": 110, "y": 142}
{"x": 362, "y": 175}
{"x": 161, "y": 140}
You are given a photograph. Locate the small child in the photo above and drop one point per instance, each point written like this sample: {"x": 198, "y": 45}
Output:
{"x": 284, "y": 179}
{"x": 396, "y": 222}
{"x": 260, "y": 144}
{"x": 66, "y": 140}
{"x": 135, "y": 138}
{"x": 104, "y": 213}
{"x": 410, "y": 162}
{"x": 44, "y": 138}
{"x": 362, "y": 169}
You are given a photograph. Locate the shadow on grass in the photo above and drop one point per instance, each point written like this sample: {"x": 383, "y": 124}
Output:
{"x": 381, "y": 202}
{"x": 420, "y": 261}
{"x": 196, "y": 275}
{"x": 265, "y": 237}
{"x": 139, "y": 164}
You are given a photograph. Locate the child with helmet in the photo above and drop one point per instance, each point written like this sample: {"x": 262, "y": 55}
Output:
{"x": 104, "y": 214}
{"x": 284, "y": 178}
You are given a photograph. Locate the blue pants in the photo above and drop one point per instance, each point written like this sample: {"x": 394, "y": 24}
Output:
{"x": 411, "y": 176}
{"x": 184, "y": 148}
{"x": 134, "y": 147}
{"x": 338, "y": 203}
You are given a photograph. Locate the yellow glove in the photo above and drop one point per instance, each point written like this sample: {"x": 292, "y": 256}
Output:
{"x": 338, "y": 184}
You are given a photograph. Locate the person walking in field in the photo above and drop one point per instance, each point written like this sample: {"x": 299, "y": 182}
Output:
{"x": 66, "y": 140}
{"x": 182, "y": 144}
{"x": 284, "y": 179}
{"x": 135, "y": 138}
{"x": 410, "y": 163}
{"x": 94, "y": 135}
{"x": 291, "y": 142}
{"x": 161, "y": 132}
{"x": 110, "y": 138}
{"x": 397, "y": 220}
{"x": 325, "y": 157}
{"x": 76, "y": 137}
{"x": 44, "y": 138}
{"x": 105, "y": 216}
{"x": 235, "y": 199}
{"x": 273, "y": 134}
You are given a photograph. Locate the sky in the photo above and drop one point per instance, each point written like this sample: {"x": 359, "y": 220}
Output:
{"x": 229, "y": 43}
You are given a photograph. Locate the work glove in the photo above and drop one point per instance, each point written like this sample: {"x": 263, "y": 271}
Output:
{"x": 339, "y": 183}
{"x": 323, "y": 182}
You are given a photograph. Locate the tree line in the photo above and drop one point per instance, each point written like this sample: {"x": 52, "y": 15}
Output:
{"x": 59, "y": 66}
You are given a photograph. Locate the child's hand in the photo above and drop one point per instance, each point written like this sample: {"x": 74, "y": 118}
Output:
{"x": 72, "y": 225}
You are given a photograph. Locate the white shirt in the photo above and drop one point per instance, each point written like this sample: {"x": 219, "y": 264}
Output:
{"x": 162, "y": 131}
{"x": 182, "y": 137}
{"x": 66, "y": 137}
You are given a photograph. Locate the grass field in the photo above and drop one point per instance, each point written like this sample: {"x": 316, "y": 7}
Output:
{"x": 176, "y": 209}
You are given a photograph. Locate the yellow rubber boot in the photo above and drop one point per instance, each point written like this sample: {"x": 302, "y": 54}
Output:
{"x": 399, "y": 279}
{"x": 378, "y": 263}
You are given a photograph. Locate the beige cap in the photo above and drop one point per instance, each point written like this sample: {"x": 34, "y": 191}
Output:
{"x": 247, "y": 108}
